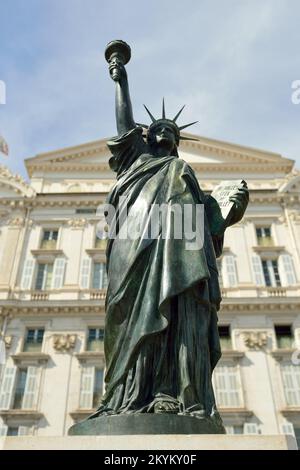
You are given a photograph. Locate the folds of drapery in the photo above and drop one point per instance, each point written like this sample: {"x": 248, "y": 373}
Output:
{"x": 145, "y": 273}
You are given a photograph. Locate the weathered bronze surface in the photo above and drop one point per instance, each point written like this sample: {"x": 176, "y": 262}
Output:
{"x": 161, "y": 335}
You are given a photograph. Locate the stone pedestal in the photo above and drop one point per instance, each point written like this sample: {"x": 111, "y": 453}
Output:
{"x": 147, "y": 423}
{"x": 151, "y": 442}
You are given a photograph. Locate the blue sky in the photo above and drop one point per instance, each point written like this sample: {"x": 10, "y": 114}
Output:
{"x": 232, "y": 62}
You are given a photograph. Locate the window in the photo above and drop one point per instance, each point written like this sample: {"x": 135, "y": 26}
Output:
{"x": 227, "y": 386}
{"x": 284, "y": 336}
{"x": 91, "y": 387}
{"x": 44, "y": 277}
{"x": 287, "y": 269}
{"x": 264, "y": 237}
{"x": 95, "y": 339}
{"x": 49, "y": 239}
{"x": 34, "y": 340}
{"x": 98, "y": 387}
{"x": 26, "y": 282}
{"x": 271, "y": 273}
{"x": 234, "y": 429}
{"x": 250, "y": 428}
{"x": 85, "y": 273}
{"x": 225, "y": 338}
{"x": 15, "y": 430}
{"x": 288, "y": 429}
{"x": 229, "y": 272}
{"x": 291, "y": 384}
{"x": 12, "y": 431}
{"x": 99, "y": 276}
{"x": 19, "y": 388}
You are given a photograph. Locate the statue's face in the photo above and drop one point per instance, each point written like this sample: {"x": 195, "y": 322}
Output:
{"x": 164, "y": 136}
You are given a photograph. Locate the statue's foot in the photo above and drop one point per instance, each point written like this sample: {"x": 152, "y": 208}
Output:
{"x": 166, "y": 407}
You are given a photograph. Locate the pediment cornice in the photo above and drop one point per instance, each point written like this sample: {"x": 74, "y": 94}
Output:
{"x": 234, "y": 156}
{"x": 15, "y": 183}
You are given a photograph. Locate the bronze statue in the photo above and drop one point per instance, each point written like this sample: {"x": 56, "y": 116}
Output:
{"x": 161, "y": 335}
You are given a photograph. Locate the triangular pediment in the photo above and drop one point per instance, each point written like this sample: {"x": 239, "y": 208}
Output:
{"x": 202, "y": 152}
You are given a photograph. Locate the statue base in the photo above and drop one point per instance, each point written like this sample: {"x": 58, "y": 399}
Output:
{"x": 146, "y": 423}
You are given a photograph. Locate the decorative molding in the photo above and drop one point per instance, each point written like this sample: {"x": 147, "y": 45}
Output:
{"x": 30, "y": 358}
{"x": 22, "y": 415}
{"x": 232, "y": 354}
{"x": 8, "y": 341}
{"x": 92, "y": 358}
{"x": 255, "y": 339}
{"x": 268, "y": 250}
{"x": 63, "y": 343}
{"x": 77, "y": 223}
{"x": 44, "y": 252}
{"x": 15, "y": 222}
{"x": 238, "y": 412}
{"x": 16, "y": 183}
{"x": 283, "y": 354}
{"x": 294, "y": 215}
{"x": 85, "y": 307}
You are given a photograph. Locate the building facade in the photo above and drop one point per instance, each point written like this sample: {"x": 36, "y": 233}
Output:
{"x": 53, "y": 281}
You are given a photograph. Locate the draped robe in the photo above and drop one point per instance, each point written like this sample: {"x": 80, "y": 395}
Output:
{"x": 161, "y": 337}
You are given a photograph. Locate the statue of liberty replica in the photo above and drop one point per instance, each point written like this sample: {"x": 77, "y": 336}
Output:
{"x": 161, "y": 334}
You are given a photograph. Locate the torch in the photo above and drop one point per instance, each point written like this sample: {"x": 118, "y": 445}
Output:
{"x": 119, "y": 51}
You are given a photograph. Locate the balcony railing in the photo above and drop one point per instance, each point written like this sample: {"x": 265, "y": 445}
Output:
{"x": 265, "y": 241}
{"x": 98, "y": 294}
{"x": 40, "y": 295}
{"x": 276, "y": 292}
{"x": 48, "y": 245}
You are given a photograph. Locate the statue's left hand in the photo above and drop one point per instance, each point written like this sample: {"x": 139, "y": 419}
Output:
{"x": 241, "y": 200}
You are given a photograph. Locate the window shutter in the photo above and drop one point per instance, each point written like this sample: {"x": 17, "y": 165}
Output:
{"x": 59, "y": 273}
{"x": 287, "y": 428}
{"x": 102, "y": 276}
{"x": 7, "y": 387}
{"x": 250, "y": 428}
{"x": 31, "y": 388}
{"x": 229, "y": 271}
{"x": 258, "y": 271}
{"x": 2, "y": 352}
{"x": 99, "y": 277}
{"x": 27, "y": 274}
{"x": 85, "y": 273}
{"x": 227, "y": 386}
{"x": 87, "y": 388}
{"x": 3, "y": 430}
{"x": 291, "y": 384}
{"x": 287, "y": 270}
{"x": 229, "y": 429}
{"x": 25, "y": 431}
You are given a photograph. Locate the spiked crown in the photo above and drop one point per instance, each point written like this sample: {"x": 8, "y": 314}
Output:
{"x": 169, "y": 122}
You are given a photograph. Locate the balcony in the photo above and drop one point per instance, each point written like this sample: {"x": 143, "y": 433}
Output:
{"x": 30, "y": 358}
{"x": 252, "y": 291}
{"x": 22, "y": 415}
